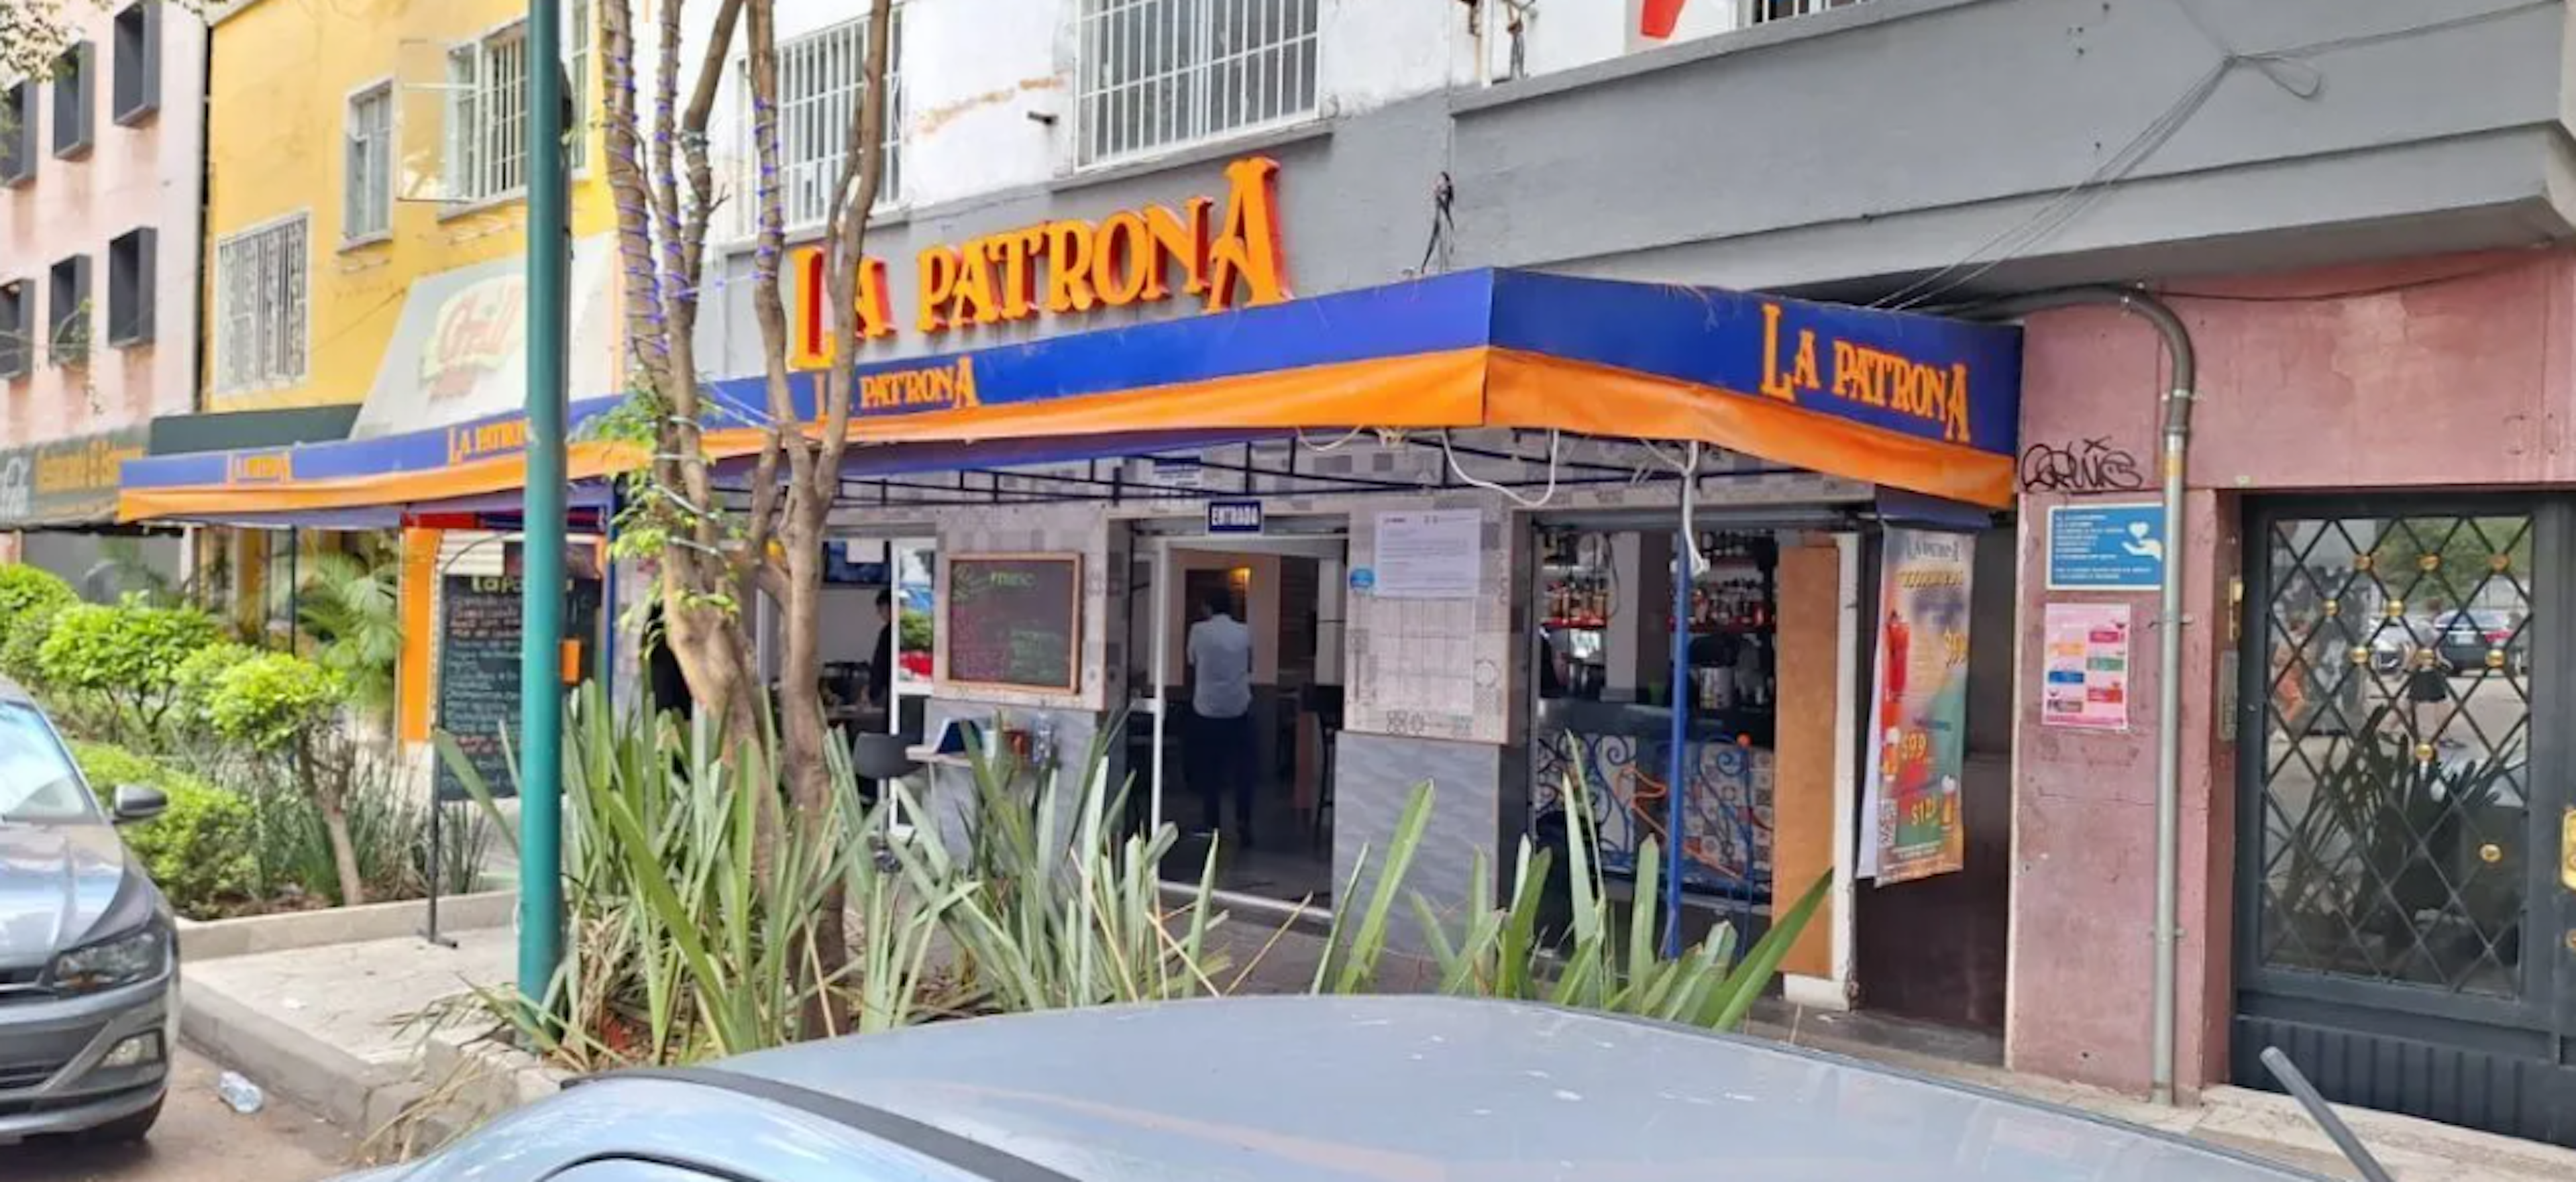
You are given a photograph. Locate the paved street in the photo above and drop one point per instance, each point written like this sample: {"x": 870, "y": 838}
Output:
{"x": 199, "y": 1140}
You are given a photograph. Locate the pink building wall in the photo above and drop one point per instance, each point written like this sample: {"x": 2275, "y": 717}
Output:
{"x": 2447, "y": 371}
{"x": 149, "y": 174}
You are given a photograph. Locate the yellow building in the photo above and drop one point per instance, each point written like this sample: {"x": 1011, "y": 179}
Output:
{"x": 356, "y": 148}
{"x": 366, "y": 245}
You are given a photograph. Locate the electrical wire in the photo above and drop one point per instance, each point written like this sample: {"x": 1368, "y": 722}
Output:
{"x": 1554, "y": 440}
{"x": 2288, "y": 68}
{"x": 2393, "y": 287}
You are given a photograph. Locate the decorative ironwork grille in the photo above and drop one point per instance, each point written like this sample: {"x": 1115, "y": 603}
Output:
{"x": 2397, "y": 654}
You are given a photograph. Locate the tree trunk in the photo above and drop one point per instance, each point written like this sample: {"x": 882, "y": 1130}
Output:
{"x": 344, "y": 853}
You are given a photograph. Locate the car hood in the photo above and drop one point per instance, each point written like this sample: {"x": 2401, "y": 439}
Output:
{"x": 56, "y": 883}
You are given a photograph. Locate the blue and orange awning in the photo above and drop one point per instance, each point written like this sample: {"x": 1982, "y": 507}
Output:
{"x": 1912, "y": 402}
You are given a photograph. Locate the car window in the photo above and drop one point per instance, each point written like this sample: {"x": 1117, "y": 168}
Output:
{"x": 37, "y": 780}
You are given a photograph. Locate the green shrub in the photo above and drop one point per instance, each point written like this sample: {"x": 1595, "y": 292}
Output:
{"x": 28, "y": 588}
{"x": 199, "y": 850}
{"x": 23, "y": 640}
{"x": 127, "y": 655}
{"x": 199, "y": 679}
{"x": 266, "y": 701}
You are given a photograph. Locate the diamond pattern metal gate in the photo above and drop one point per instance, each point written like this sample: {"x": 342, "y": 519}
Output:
{"x": 2401, "y": 746}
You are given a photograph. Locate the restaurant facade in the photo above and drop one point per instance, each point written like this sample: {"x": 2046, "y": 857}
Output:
{"x": 1407, "y": 380}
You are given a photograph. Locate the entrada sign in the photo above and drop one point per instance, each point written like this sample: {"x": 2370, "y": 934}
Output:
{"x": 1069, "y": 267}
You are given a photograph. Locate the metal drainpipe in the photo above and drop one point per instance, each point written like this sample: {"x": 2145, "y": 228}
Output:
{"x": 2177, "y": 432}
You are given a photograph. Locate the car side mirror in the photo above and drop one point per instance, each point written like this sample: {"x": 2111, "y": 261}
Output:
{"x": 134, "y": 802}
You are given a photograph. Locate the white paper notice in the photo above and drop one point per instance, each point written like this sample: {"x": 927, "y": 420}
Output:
{"x": 1435, "y": 555}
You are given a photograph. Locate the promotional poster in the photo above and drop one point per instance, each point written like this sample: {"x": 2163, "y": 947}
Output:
{"x": 1919, "y": 710}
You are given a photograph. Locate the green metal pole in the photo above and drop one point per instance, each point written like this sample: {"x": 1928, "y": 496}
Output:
{"x": 540, "y": 654}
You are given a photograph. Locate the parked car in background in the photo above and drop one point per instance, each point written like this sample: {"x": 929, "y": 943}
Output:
{"x": 1304, "y": 1089}
{"x": 2394, "y": 641}
{"x": 89, "y": 963}
{"x": 2466, "y": 636}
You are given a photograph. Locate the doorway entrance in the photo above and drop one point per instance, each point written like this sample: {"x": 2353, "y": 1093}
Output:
{"x": 2407, "y": 835}
{"x": 1259, "y": 789}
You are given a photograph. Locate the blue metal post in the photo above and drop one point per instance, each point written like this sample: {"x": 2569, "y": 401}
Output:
{"x": 1685, "y": 554}
{"x": 541, "y": 654}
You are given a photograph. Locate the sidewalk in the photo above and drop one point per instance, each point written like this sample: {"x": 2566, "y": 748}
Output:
{"x": 334, "y": 1025}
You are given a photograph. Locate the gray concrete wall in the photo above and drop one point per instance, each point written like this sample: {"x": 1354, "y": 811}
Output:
{"x": 1845, "y": 153}
{"x": 1902, "y": 135}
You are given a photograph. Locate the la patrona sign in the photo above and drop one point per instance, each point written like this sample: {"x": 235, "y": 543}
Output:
{"x": 1225, "y": 259}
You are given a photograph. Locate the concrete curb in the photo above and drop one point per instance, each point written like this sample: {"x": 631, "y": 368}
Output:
{"x": 344, "y": 1089}
{"x": 224, "y": 938}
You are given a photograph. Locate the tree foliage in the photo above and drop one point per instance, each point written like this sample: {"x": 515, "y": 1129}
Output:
{"x": 270, "y": 701}
{"x": 126, "y": 657}
{"x": 352, "y": 608}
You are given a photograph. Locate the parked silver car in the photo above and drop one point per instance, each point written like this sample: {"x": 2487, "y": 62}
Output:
{"x": 89, "y": 966}
{"x": 1305, "y": 1089}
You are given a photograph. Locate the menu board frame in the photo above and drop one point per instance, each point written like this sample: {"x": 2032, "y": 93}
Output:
{"x": 446, "y": 787}
{"x": 948, "y": 564}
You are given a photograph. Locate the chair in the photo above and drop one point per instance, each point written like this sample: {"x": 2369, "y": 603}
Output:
{"x": 876, "y": 757}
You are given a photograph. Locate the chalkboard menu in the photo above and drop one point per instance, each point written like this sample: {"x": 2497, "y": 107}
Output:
{"x": 478, "y": 678}
{"x": 1014, "y": 621}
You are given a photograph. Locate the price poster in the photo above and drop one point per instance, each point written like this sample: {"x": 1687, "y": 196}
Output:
{"x": 1919, "y": 707}
{"x": 2085, "y": 677}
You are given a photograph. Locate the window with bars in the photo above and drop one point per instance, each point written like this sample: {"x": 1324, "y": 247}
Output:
{"x": 1757, "y": 12}
{"x": 821, "y": 77}
{"x": 260, "y": 307}
{"x": 487, "y": 116}
{"x": 578, "y": 64}
{"x": 367, "y": 183}
{"x": 1160, "y": 73}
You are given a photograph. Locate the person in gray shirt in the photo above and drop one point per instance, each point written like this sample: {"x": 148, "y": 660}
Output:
{"x": 1222, "y": 742}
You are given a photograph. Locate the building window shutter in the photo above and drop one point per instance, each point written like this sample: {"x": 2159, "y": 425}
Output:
{"x": 17, "y": 328}
{"x": 131, "y": 287}
{"x": 18, "y": 119}
{"x": 136, "y": 83}
{"x": 67, "y": 311}
{"x": 75, "y": 99}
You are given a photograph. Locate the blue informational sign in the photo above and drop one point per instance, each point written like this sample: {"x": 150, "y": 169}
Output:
{"x": 1363, "y": 578}
{"x": 1234, "y": 517}
{"x": 2106, "y": 547}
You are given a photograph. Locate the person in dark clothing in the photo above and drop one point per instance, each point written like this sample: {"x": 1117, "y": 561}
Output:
{"x": 668, "y": 685}
{"x": 881, "y": 666}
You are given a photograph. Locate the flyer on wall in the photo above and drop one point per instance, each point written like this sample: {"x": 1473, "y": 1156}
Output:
{"x": 2085, "y": 682}
{"x": 1919, "y": 712}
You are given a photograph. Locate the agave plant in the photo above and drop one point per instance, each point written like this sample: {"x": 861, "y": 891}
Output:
{"x": 1061, "y": 908}
{"x": 687, "y": 940}
{"x": 1602, "y": 964}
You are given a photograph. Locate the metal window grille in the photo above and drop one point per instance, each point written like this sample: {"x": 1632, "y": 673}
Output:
{"x": 260, "y": 307}
{"x": 487, "y": 117}
{"x": 1158, "y": 73}
{"x": 366, "y": 205}
{"x": 1757, "y": 12}
{"x": 821, "y": 79}
{"x": 577, "y": 66}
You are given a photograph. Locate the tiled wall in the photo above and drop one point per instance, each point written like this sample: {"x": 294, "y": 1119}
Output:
{"x": 1032, "y": 529}
{"x": 1375, "y": 780}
